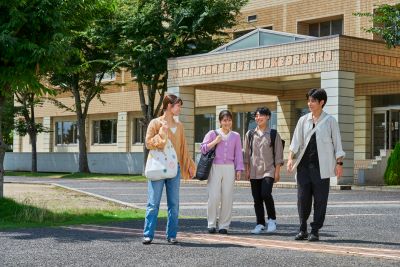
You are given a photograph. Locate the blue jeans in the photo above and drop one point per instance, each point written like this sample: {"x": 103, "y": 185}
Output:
{"x": 155, "y": 189}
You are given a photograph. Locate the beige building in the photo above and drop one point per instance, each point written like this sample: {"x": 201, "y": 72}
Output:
{"x": 281, "y": 49}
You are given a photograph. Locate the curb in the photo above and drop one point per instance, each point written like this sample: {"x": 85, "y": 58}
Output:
{"x": 283, "y": 185}
{"x": 98, "y": 196}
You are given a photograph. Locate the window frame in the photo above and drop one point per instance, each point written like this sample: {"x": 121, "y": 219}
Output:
{"x": 135, "y": 125}
{"x": 330, "y": 27}
{"x": 74, "y": 137}
{"x": 96, "y": 133}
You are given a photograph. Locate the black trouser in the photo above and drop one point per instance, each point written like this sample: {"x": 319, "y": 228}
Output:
{"x": 309, "y": 185}
{"x": 261, "y": 189}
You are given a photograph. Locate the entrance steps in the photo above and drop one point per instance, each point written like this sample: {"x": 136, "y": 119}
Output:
{"x": 371, "y": 171}
{"x": 366, "y": 172}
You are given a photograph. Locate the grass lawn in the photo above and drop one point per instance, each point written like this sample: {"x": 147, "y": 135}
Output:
{"x": 77, "y": 175}
{"x": 28, "y": 206}
{"x": 23, "y": 215}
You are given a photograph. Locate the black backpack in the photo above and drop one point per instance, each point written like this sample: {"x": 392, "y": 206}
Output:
{"x": 273, "y": 137}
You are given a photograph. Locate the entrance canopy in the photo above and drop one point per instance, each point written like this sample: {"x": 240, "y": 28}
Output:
{"x": 276, "y": 63}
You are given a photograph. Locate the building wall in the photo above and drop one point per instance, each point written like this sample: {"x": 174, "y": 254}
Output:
{"x": 288, "y": 15}
{"x": 284, "y": 15}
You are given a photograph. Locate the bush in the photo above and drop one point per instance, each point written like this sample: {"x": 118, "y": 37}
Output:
{"x": 392, "y": 173}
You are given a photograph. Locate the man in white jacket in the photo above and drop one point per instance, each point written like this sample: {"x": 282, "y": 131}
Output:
{"x": 317, "y": 139}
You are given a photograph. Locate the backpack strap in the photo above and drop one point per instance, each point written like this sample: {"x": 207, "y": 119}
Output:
{"x": 273, "y": 137}
{"x": 250, "y": 136}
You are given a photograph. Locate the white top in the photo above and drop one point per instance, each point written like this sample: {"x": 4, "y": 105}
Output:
{"x": 173, "y": 129}
{"x": 329, "y": 144}
{"x": 223, "y": 135}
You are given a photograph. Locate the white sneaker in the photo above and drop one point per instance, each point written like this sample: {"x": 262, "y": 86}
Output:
{"x": 271, "y": 226}
{"x": 257, "y": 230}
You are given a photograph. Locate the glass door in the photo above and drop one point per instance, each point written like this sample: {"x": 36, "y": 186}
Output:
{"x": 380, "y": 140}
{"x": 394, "y": 133}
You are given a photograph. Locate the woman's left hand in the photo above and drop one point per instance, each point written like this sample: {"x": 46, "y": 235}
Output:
{"x": 191, "y": 173}
{"x": 238, "y": 175}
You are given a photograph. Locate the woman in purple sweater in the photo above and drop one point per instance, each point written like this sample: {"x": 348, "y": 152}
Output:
{"x": 227, "y": 165}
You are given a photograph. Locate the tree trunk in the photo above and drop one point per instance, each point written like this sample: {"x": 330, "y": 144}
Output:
{"x": 33, "y": 137}
{"x": 33, "y": 131}
{"x": 2, "y": 155}
{"x": 81, "y": 119}
{"x": 83, "y": 158}
{"x": 2, "y": 146}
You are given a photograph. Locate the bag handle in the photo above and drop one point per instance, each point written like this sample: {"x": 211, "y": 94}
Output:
{"x": 216, "y": 134}
{"x": 308, "y": 140}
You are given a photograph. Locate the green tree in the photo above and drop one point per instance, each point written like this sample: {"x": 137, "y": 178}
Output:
{"x": 27, "y": 100}
{"x": 82, "y": 76}
{"x": 386, "y": 21}
{"x": 31, "y": 43}
{"x": 8, "y": 112}
{"x": 151, "y": 31}
{"x": 5, "y": 129}
{"x": 392, "y": 173}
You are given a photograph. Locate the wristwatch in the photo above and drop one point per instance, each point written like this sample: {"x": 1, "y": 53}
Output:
{"x": 339, "y": 163}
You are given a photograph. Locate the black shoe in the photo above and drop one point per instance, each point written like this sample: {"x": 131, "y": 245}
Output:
{"x": 172, "y": 240}
{"x": 302, "y": 235}
{"x": 212, "y": 230}
{"x": 146, "y": 240}
{"x": 223, "y": 231}
{"x": 313, "y": 237}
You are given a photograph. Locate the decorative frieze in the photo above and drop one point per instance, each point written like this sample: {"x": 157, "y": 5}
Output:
{"x": 255, "y": 64}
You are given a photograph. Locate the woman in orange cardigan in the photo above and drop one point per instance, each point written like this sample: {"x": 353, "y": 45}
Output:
{"x": 159, "y": 131}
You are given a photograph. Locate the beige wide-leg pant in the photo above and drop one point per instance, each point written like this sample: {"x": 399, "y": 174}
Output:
{"x": 220, "y": 195}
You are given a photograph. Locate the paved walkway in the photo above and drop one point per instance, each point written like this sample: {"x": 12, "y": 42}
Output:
{"x": 361, "y": 229}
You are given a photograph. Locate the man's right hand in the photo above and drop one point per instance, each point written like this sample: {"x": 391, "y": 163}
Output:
{"x": 247, "y": 173}
{"x": 289, "y": 165}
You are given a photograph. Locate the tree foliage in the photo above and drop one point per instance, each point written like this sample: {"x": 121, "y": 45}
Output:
{"x": 7, "y": 121}
{"x": 31, "y": 41}
{"x": 151, "y": 31}
{"x": 32, "y": 35}
{"x": 392, "y": 173}
{"x": 91, "y": 57}
{"x": 386, "y": 21}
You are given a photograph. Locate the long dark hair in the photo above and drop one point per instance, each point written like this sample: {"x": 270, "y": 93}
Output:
{"x": 169, "y": 99}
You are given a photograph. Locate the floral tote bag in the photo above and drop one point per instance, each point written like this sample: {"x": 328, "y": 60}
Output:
{"x": 162, "y": 164}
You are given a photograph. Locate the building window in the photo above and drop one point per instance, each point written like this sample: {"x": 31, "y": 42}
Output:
{"x": 244, "y": 121}
{"x": 326, "y": 28}
{"x": 105, "y": 132}
{"x": 252, "y": 18}
{"x": 241, "y": 33}
{"x": 203, "y": 123}
{"x": 66, "y": 132}
{"x": 138, "y": 133}
{"x": 301, "y": 112}
{"x": 107, "y": 77}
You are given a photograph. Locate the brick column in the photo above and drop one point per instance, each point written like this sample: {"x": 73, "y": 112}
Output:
{"x": 17, "y": 142}
{"x": 48, "y": 137}
{"x": 286, "y": 116}
{"x": 122, "y": 132}
{"x": 362, "y": 127}
{"x": 339, "y": 86}
{"x": 187, "y": 94}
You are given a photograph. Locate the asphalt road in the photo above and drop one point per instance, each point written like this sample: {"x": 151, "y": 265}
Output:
{"x": 361, "y": 229}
